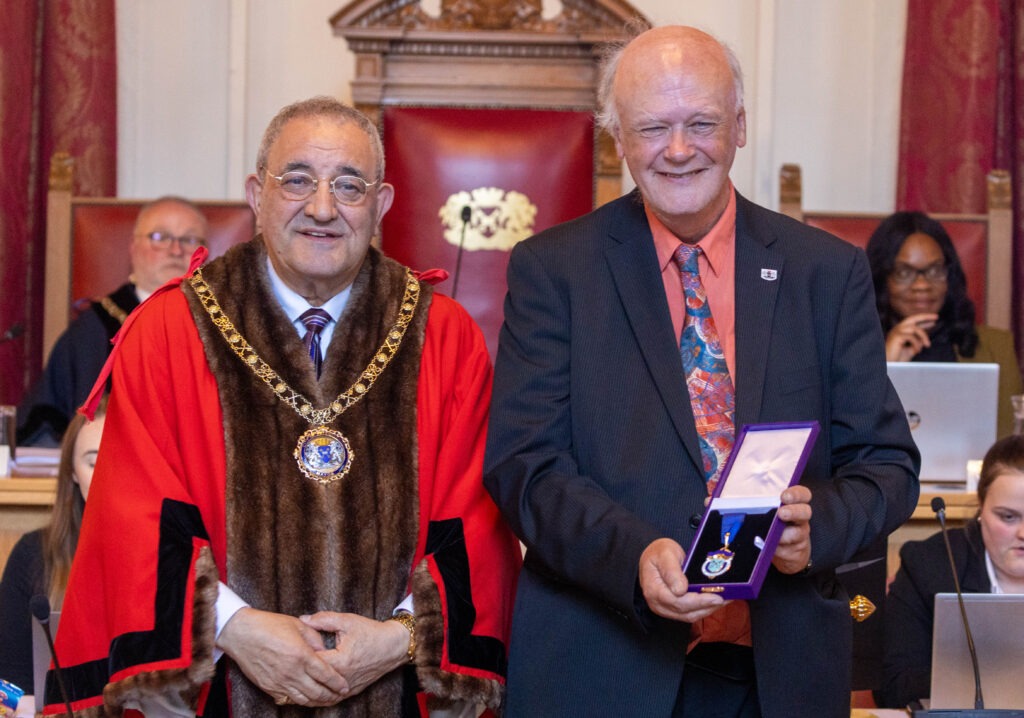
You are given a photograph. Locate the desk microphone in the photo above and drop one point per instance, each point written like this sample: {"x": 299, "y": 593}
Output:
{"x": 979, "y": 710}
{"x": 40, "y": 606}
{"x": 939, "y": 507}
{"x": 13, "y": 332}
{"x": 467, "y": 213}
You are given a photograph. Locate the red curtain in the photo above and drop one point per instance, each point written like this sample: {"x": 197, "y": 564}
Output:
{"x": 57, "y": 92}
{"x": 961, "y": 115}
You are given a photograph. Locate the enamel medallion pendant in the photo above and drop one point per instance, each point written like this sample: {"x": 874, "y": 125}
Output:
{"x": 717, "y": 562}
{"x": 323, "y": 454}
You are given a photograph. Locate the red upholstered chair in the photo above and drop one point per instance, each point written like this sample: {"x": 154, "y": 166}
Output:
{"x": 87, "y": 241}
{"x": 983, "y": 241}
{"x": 512, "y": 171}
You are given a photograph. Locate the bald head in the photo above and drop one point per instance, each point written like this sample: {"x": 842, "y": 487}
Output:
{"x": 675, "y": 40}
{"x": 673, "y": 104}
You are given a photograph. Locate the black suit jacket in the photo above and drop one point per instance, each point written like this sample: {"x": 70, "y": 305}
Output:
{"x": 910, "y": 608}
{"x": 593, "y": 454}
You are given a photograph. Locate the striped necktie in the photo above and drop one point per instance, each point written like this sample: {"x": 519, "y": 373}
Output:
{"x": 314, "y": 320}
{"x": 707, "y": 375}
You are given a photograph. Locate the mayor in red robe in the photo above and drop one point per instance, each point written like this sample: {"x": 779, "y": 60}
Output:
{"x": 209, "y": 477}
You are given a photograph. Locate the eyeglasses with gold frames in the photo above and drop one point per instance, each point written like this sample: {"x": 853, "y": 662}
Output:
{"x": 347, "y": 189}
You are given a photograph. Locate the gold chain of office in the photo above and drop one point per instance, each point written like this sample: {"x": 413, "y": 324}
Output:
{"x": 302, "y": 406}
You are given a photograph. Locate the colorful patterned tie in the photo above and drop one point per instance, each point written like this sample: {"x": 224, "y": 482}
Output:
{"x": 314, "y": 320}
{"x": 707, "y": 375}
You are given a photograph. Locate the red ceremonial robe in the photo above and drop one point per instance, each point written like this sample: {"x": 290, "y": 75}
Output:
{"x": 138, "y": 618}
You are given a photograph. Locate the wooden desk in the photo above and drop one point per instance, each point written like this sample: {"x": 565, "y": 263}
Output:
{"x": 960, "y": 506}
{"x": 27, "y": 492}
{"x": 25, "y": 505}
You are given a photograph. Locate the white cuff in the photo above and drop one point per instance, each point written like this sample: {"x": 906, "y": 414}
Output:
{"x": 228, "y": 604}
{"x": 405, "y": 606}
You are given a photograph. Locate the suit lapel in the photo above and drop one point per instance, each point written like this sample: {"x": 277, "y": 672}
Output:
{"x": 759, "y": 273}
{"x": 633, "y": 264}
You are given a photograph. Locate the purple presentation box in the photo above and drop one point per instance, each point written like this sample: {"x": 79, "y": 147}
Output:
{"x": 734, "y": 545}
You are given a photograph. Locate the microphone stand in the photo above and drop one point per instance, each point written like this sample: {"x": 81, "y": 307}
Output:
{"x": 939, "y": 507}
{"x": 40, "y": 606}
{"x": 979, "y": 710}
{"x": 465, "y": 217}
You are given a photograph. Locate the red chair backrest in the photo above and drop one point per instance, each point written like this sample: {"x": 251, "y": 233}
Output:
{"x": 969, "y": 234}
{"x": 101, "y": 233}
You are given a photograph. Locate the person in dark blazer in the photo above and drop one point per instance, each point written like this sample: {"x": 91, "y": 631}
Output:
{"x": 989, "y": 556}
{"x": 594, "y": 454}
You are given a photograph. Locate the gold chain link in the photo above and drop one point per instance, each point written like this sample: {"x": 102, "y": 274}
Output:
{"x": 302, "y": 406}
{"x": 113, "y": 310}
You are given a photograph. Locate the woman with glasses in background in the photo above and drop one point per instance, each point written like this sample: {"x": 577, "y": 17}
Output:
{"x": 921, "y": 292}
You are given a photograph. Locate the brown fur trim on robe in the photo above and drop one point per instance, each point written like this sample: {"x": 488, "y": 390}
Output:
{"x": 296, "y": 546}
{"x": 186, "y": 682}
{"x": 430, "y": 646}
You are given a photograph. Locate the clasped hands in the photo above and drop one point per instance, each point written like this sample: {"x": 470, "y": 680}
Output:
{"x": 286, "y": 656}
{"x": 664, "y": 584}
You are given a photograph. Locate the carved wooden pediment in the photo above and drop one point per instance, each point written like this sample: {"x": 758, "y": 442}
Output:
{"x": 480, "y": 52}
{"x": 577, "y": 17}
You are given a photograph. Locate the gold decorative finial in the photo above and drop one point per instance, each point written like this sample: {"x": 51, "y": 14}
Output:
{"x": 999, "y": 189}
{"x": 790, "y": 185}
{"x": 62, "y": 172}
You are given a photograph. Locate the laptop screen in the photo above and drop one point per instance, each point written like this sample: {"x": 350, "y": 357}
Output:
{"x": 951, "y": 408}
{"x": 997, "y": 624}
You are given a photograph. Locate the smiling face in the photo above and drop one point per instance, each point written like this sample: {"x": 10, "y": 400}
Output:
{"x": 1002, "y": 528}
{"x": 918, "y": 252}
{"x": 87, "y": 445}
{"x": 317, "y": 245}
{"x": 679, "y": 125}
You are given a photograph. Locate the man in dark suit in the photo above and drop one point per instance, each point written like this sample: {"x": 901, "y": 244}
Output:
{"x": 616, "y": 397}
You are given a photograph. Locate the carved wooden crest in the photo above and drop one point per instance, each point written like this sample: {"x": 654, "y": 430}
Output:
{"x": 576, "y": 16}
{"x": 489, "y": 53}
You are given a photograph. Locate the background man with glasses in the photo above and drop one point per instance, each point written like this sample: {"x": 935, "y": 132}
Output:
{"x": 297, "y": 432}
{"x": 167, "y": 232}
